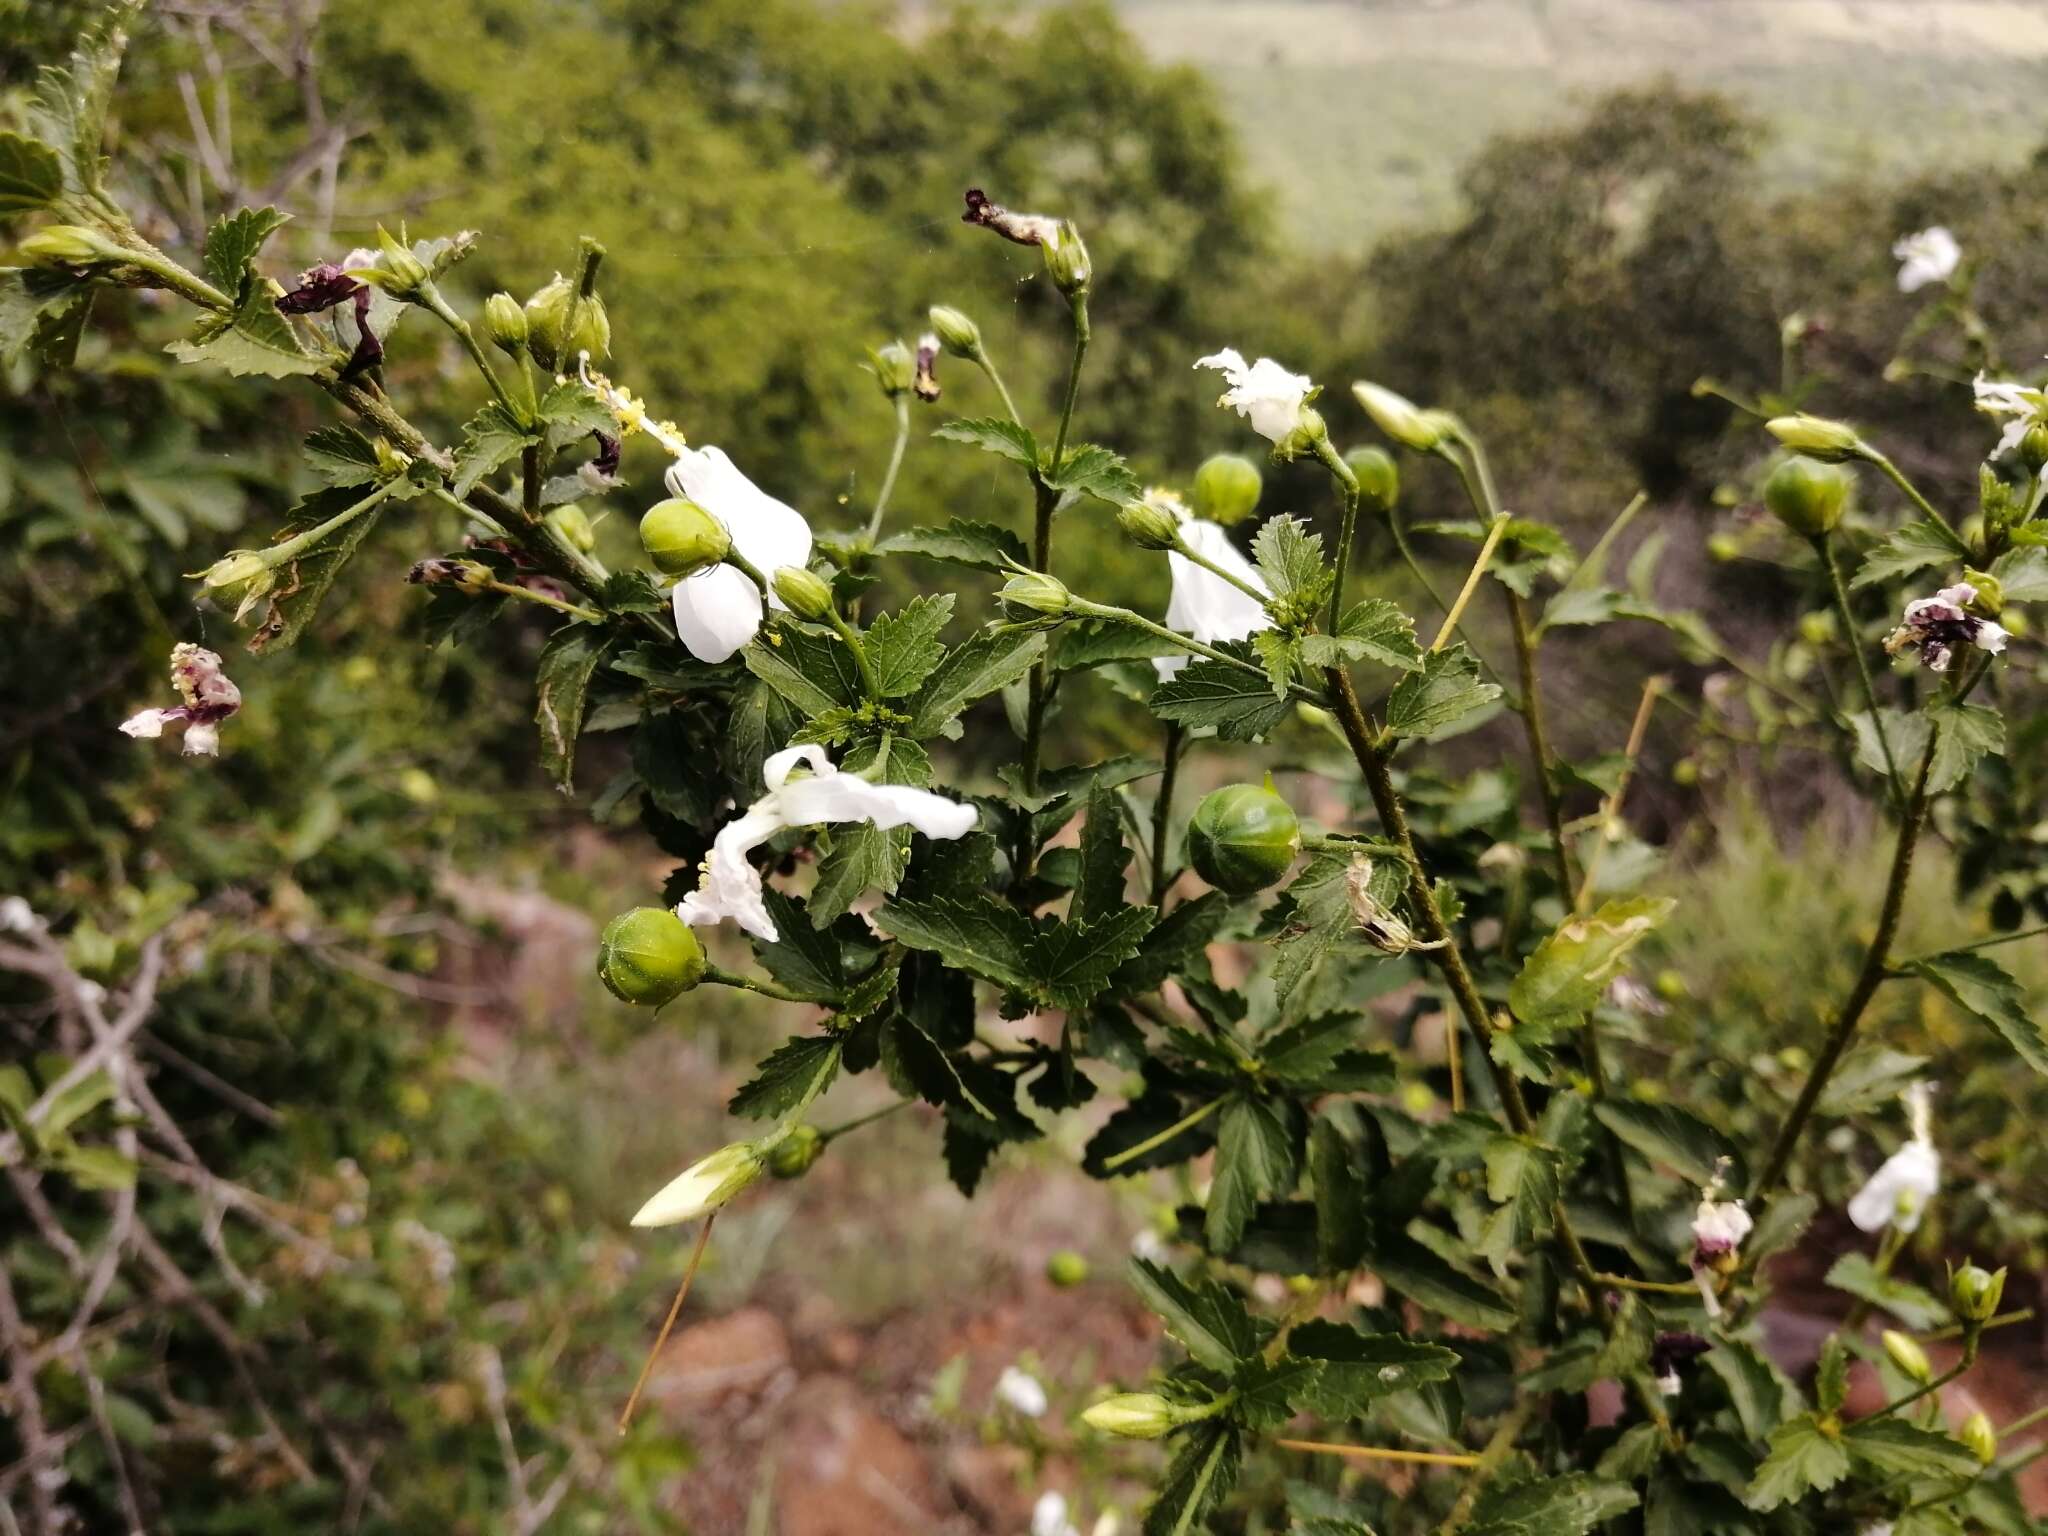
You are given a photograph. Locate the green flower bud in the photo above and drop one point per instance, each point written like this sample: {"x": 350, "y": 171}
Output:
{"x": 1400, "y": 418}
{"x": 1133, "y": 1416}
{"x": 404, "y": 274}
{"x": 1034, "y": 592}
{"x": 1807, "y": 496}
{"x": 1978, "y": 1434}
{"x": 1066, "y": 259}
{"x": 1227, "y": 488}
{"x": 67, "y": 245}
{"x": 803, "y": 593}
{"x": 1907, "y": 1355}
{"x": 1379, "y": 482}
{"x": 1685, "y": 772}
{"x": 505, "y": 323}
{"x": 1832, "y": 442}
{"x": 1974, "y": 1293}
{"x": 1989, "y": 602}
{"x": 1066, "y": 1269}
{"x": 960, "y": 334}
{"x": 792, "y": 1157}
{"x": 573, "y": 524}
{"x": 648, "y": 956}
{"x": 894, "y": 367}
{"x": 681, "y": 538}
{"x": 1242, "y": 838}
{"x": 236, "y": 568}
{"x": 561, "y": 324}
{"x": 1149, "y": 525}
{"x": 2034, "y": 446}
{"x": 705, "y": 1186}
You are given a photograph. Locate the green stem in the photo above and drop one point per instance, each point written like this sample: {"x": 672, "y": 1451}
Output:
{"x": 1933, "y": 1385}
{"x": 1655, "y": 1287}
{"x": 1180, "y": 641}
{"x": 290, "y": 549}
{"x": 1159, "y": 1139}
{"x": 1162, "y": 809}
{"x": 430, "y": 300}
{"x": 829, "y": 1136}
{"x": 574, "y": 610}
{"x": 2025, "y": 1421}
{"x": 1194, "y": 556}
{"x": 895, "y": 463}
{"x": 719, "y": 976}
{"x": 870, "y": 688}
{"x": 1498, "y": 1444}
{"x": 1347, "y": 482}
{"x": 1415, "y": 569}
{"x": 1472, "y": 580}
{"x": 987, "y": 366}
{"x": 1892, "y": 472}
{"x": 1078, "y": 304}
{"x": 1198, "y": 1495}
{"x": 1041, "y": 539}
{"x": 1826, "y": 551}
{"x": 2003, "y": 1320}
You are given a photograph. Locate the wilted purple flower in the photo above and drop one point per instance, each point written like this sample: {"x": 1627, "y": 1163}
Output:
{"x": 209, "y": 699}
{"x": 1936, "y": 625}
{"x": 1022, "y": 228}
{"x": 320, "y": 288}
{"x": 1669, "y": 1351}
{"x": 926, "y": 385}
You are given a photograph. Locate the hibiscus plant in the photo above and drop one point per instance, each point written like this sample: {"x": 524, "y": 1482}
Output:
{"x": 1531, "y": 1292}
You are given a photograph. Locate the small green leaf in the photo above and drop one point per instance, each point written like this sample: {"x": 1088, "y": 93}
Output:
{"x": 1913, "y": 548}
{"x": 859, "y": 857}
{"x": 1336, "y": 1175}
{"x": 567, "y": 661}
{"x": 1803, "y": 1460}
{"x": 803, "y": 958}
{"x": 1756, "y": 1387}
{"x": 1100, "y": 889}
{"x": 1866, "y": 1079}
{"x": 1238, "y": 703}
{"x": 814, "y": 672}
{"x": 903, "y": 647}
{"x": 489, "y": 440}
{"x": 781, "y": 1081}
{"x": 255, "y": 339}
{"x": 1255, "y": 1160}
{"x": 1071, "y": 962}
{"x": 1411, "y": 1270}
{"x": 1982, "y": 988}
{"x": 981, "y": 665}
{"x": 1209, "y": 1321}
{"x": 1374, "y": 630}
{"x": 1203, "y": 1471}
{"x": 1445, "y": 691}
{"x": 990, "y": 938}
{"x": 31, "y": 176}
{"x": 1095, "y": 471}
{"x": 1522, "y": 1178}
{"x": 1891, "y": 1447}
{"x": 979, "y": 546}
{"x": 96, "y": 1167}
{"x": 1669, "y": 1135}
{"x": 1967, "y": 733}
{"x": 993, "y": 434}
{"x": 342, "y": 456}
{"x": 234, "y": 242}
{"x": 1570, "y": 1505}
{"x": 1912, "y": 1305}
{"x": 1570, "y": 969}
{"x": 1291, "y": 560}
{"x": 1360, "y": 1368}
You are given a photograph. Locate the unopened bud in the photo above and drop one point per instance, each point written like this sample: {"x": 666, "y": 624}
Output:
{"x": 1907, "y": 1355}
{"x": 1034, "y": 592}
{"x": 404, "y": 274}
{"x": 1401, "y": 418}
{"x": 562, "y": 324}
{"x": 235, "y": 569}
{"x": 1227, "y": 489}
{"x": 962, "y": 337}
{"x": 1978, "y": 1434}
{"x": 1974, "y": 1293}
{"x": 68, "y": 245}
{"x": 1242, "y": 838}
{"x": 681, "y": 538}
{"x": 703, "y": 1187}
{"x": 1832, "y": 442}
{"x": 803, "y": 593}
{"x": 894, "y": 367}
{"x": 505, "y": 322}
{"x": 1724, "y": 547}
{"x": 573, "y": 524}
{"x": 1818, "y": 626}
{"x": 1066, "y": 259}
{"x": 1133, "y": 1415}
{"x": 1066, "y": 1269}
{"x": 794, "y": 1155}
{"x": 1807, "y": 496}
{"x": 2034, "y": 446}
{"x": 1989, "y": 602}
{"x": 1379, "y": 482}
{"x": 1149, "y": 525}
{"x": 649, "y": 956}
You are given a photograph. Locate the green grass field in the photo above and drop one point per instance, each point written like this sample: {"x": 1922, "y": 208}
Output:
{"x": 1359, "y": 113}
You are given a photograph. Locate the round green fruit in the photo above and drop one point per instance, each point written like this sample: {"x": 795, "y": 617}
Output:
{"x": 1227, "y": 489}
{"x": 682, "y": 539}
{"x": 648, "y": 956}
{"x": 1243, "y": 838}
{"x": 1806, "y": 496}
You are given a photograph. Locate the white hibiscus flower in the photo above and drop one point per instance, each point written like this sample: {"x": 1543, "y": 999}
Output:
{"x": 1930, "y": 256}
{"x": 1203, "y": 604}
{"x": 719, "y": 610}
{"x": 1275, "y": 401}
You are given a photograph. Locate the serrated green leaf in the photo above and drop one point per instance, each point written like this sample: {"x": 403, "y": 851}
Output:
{"x": 803, "y": 959}
{"x": 974, "y": 669}
{"x": 1570, "y": 1505}
{"x": 1276, "y": 650}
{"x": 1374, "y": 630}
{"x": 342, "y": 456}
{"x": 1802, "y": 1460}
{"x": 1316, "y": 1055}
{"x": 489, "y": 440}
{"x": 1071, "y": 962}
{"x": 254, "y": 340}
{"x": 1912, "y": 1305}
{"x": 1358, "y": 1368}
{"x": 572, "y": 409}
{"x": 1336, "y": 1176}
{"x": 1445, "y": 691}
{"x": 1913, "y": 548}
{"x": 292, "y": 612}
{"x": 1666, "y": 1134}
{"x": 1982, "y": 988}
{"x": 1866, "y": 1079}
{"x": 979, "y": 546}
{"x": 1411, "y": 1270}
{"x": 1239, "y": 704}
{"x": 1756, "y": 1387}
{"x": 860, "y": 857}
{"x": 992, "y": 939}
{"x": 567, "y": 661}
{"x": 1270, "y": 1392}
{"x": 1966, "y": 733}
{"x": 2022, "y": 574}
{"x": 1290, "y": 558}
{"x": 816, "y": 673}
{"x": 75, "y": 1103}
{"x": 903, "y": 647}
{"x": 1209, "y": 1321}
{"x": 993, "y": 434}
{"x": 781, "y": 1081}
{"x": 96, "y": 1167}
{"x": 1100, "y": 888}
{"x": 234, "y": 242}
{"x": 1892, "y": 1447}
{"x": 31, "y": 175}
{"x": 1094, "y": 471}
{"x": 1255, "y": 1160}
{"x": 1567, "y": 973}
{"x": 1203, "y": 1471}
{"x": 1522, "y": 1178}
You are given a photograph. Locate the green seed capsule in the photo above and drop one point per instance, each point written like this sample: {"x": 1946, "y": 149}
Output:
{"x": 1242, "y": 838}
{"x": 648, "y": 956}
{"x": 792, "y": 1157}
{"x": 803, "y": 593}
{"x": 681, "y": 538}
{"x": 1807, "y": 496}
{"x": 1379, "y": 482}
{"x": 1066, "y": 1268}
{"x": 1227, "y": 489}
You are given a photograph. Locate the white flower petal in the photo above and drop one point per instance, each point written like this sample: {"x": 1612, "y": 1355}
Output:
{"x": 704, "y": 1186}
{"x": 1021, "y": 1391}
{"x": 1203, "y": 604}
{"x": 1899, "y": 1191}
{"x": 1720, "y": 1225}
{"x": 717, "y": 611}
{"x": 731, "y": 886}
{"x": 1991, "y": 637}
{"x": 1265, "y": 393}
{"x": 1931, "y": 256}
{"x": 775, "y": 771}
{"x": 202, "y": 740}
{"x": 146, "y": 726}
{"x": 846, "y": 797}
{"x": 769, "y": 533}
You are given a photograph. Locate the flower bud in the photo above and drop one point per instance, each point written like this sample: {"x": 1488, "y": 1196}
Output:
{"x": 561, "y": 325}
{"x": 1379, "y": 482}
{"x": 1227, "y": 488}
{"x": 1832, "y": 442}
{"x": 1035, "y": 592}
{"x": 792, "y": 1157}
{"x": 1149, "y": 525}
{"x": 1066, "y": 1269}
{"x": 1242, "y": 838}
{"x": 404, "y": 273}
{"x": 1066, "y": 259}
{"x": 1400, "y": 418}
{"x": 681, "y": 538}
{"x": 894, "y": 367}
{"x": 505, "y": 322}
{"x": 573, "y": 524}
{"x": 1133, "y": 1415}
{"x": 1974, "y": 1293}
{"x": 962, "y": 337}
{"x": 1807, "y": 496}
{"x": 68, "y": 245}
{"x": 803, "y": 593}
{"x": 236, "y": 568}
{"x": 1978, "y": 1434}
{"x": 648, "y": 956}
{"x": 1907, "y": 1355}
{"x": 704, "y": 1186}
{"x": 1989, "y": 602}
{"x": 2034, "y": 446}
